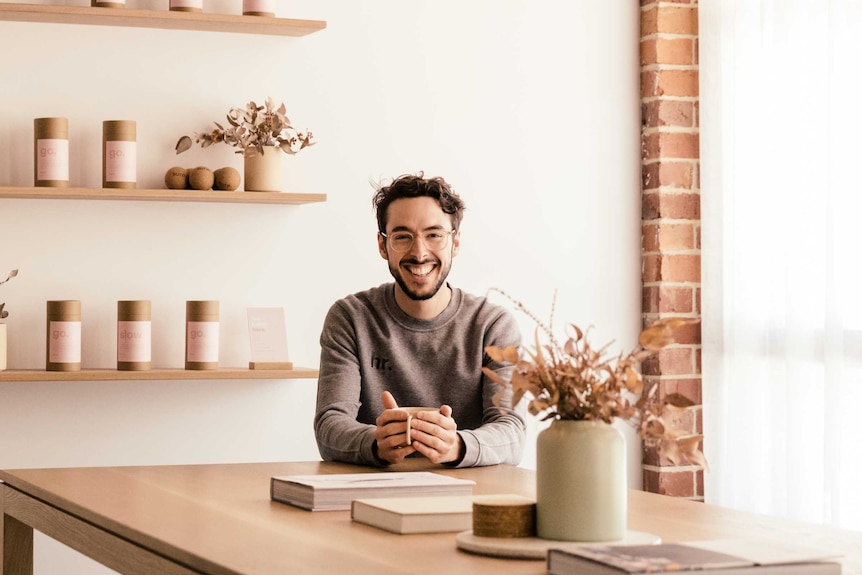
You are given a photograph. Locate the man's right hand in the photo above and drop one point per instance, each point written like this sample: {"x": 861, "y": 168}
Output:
{"x": 391, "y": 432}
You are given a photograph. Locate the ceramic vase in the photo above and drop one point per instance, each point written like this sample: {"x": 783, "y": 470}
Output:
{"x": 263, "y": 171}
{"x": 2, "y": 346}
{"x": 581, "y": 490}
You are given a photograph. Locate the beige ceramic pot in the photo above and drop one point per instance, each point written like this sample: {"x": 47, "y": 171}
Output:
{"x": 581, "y": 490}
{"x": 263, "y": 172}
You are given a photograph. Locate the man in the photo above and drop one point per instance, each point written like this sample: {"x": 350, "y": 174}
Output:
{"x": 416, "y": 342}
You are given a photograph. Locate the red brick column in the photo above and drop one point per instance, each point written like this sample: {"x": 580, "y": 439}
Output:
{"x": 671, "y": 217}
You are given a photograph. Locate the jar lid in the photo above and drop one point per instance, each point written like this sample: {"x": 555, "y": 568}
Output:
{"x": 202, "y": 308}
{"x": 67, "y": 308}
{"x": 51, "y": 127}
{"x": 113, "y": 129}
{"x": 139, "y": 307}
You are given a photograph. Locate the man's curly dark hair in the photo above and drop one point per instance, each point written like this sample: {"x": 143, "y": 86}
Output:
{"x": 414, "y": 186}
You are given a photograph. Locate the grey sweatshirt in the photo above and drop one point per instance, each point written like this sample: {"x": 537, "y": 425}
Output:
{"x": 368, "y": 345}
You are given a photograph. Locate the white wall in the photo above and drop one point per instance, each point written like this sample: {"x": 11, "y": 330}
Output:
{"x": 528, "y": 108}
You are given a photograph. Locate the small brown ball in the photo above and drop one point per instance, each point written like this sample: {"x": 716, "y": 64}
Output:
{"x": 201, "y": 178}
{"x": 226, "y": 179}
{"x": 177, "y": 178}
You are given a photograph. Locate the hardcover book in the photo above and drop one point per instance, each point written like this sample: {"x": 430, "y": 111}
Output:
{"x": 717, "y": 557}
{"x": 438, "y": 514}
{"x": 337, "y": 491}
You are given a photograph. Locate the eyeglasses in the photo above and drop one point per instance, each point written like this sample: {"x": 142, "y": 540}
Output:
{"x": 403, "y": 241}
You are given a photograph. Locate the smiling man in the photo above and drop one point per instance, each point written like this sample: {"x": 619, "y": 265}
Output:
{"x": 416, "y": 342}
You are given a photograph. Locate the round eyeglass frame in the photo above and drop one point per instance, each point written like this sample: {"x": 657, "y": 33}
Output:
{"x": 446, "y": 235}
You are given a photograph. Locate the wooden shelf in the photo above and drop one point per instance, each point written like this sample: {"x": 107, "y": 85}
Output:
{"x": 159, "y": 195}
{"x": 165, "y": 19}
{"x": 31, "y": 375}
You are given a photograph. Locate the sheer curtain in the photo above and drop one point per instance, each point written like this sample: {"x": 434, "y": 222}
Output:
{"x": 781, "y": 160}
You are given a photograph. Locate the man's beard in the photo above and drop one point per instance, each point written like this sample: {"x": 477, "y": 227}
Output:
{"x": 396, "y": 273}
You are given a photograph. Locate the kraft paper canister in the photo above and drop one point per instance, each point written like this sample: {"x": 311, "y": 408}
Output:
{"x": 258, "y": 8}
{"x": 51, "y": 152}
{"x": 119, "y": 154}
{"x": 108, "y": 3}
{"x": 134, "y": 335}
{"x": 202, "y": 334}
{"x": 187, "y": 5}
{"x": 63, "y": 350}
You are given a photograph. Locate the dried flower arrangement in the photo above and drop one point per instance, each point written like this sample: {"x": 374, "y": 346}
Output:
{"x": 251, "y": 128}
{"x": 575, "y": 381}
{"x": 3, "y": 313}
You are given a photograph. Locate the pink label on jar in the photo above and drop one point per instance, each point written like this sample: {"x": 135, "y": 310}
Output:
{"x": 202, "y": 339}
{"x": 134, "y": 341}
{"x": 64, "y": 338}
{"x": 121, "y": 161}
{"x": 52, "y": 160}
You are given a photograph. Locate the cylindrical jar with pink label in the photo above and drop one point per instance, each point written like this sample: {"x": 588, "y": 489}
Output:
{"x": 134, "y": 335}
{"x": 63, "y": 350}
{"x": 119, "y": 154}
{"x": 51, "y": 152}
{"x": 202, "y": 334}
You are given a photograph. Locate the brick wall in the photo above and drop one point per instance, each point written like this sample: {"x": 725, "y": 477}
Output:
{"x": 671, "y": 217}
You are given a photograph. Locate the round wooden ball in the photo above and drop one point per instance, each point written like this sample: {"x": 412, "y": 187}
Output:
{"x": 201, "y": 178}
{"x": 177, "y": 178}
{"x": 226, "y": 179}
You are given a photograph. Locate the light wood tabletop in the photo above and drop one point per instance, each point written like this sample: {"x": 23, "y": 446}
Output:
{"x": 219, "y": 519}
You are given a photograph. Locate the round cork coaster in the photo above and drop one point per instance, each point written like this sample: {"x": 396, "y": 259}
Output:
{"x": 535, "y": 547}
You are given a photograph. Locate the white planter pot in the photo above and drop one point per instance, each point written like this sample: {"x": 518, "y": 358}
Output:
{"x": 263, "y": 172}
{"x": 581, "y": 491}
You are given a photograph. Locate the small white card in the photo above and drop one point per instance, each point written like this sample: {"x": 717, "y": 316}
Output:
{"x": 267, "y": 334}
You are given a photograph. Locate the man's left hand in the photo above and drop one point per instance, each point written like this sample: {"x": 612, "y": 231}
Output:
{"x": 434, "y": 435}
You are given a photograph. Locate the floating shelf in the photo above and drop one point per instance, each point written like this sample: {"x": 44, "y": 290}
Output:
{"x": 159, "y": 195}
{"x": 30, "y": 375}
{"x": 165, "y": 19}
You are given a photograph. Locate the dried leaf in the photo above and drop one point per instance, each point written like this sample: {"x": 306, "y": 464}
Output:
{"x": 183, "y": 144}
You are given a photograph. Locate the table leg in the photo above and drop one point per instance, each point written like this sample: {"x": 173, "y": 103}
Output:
{"x": 16, "y": 542}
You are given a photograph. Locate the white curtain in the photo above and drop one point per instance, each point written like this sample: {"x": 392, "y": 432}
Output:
{"x": 781, "y": 185}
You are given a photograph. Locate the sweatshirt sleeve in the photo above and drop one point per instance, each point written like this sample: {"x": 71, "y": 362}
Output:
{"x": 340, "y": 437}
{"x": 500, "y": 438}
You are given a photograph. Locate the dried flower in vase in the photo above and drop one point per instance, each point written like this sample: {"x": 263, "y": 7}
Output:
{"x": 3, "y": 313}
{"x": 251, "y": 128}
{"x": 576, "y": 381}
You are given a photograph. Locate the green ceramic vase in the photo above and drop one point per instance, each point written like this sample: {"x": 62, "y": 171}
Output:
{"x": 581, "y": 487}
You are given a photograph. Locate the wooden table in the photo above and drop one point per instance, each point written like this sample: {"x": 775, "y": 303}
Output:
{"x": 218, "y": 519}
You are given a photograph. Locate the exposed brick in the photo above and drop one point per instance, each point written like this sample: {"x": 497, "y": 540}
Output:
{"x": 668, "y": 237}
{"x": 668, "y": 173}
{"x": 665, "y": 112}
{"x": 691, "y": 387}
{"x": 671, "y": 145}
{"x": 670, "y": 361}
{"x": 657, "y": 205}
{"x": 649, "y": 21}
{"x": 688, "y": 334}
{"x": 675, "y": 483}
{"x": 676, "y": 20}
{"x": 671, "y": 268}
{"x": 674, "y": 51}
{"x": 663, "y": 82}
{"x": 668, "y": 299}
{"x": 669, "y": 50}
